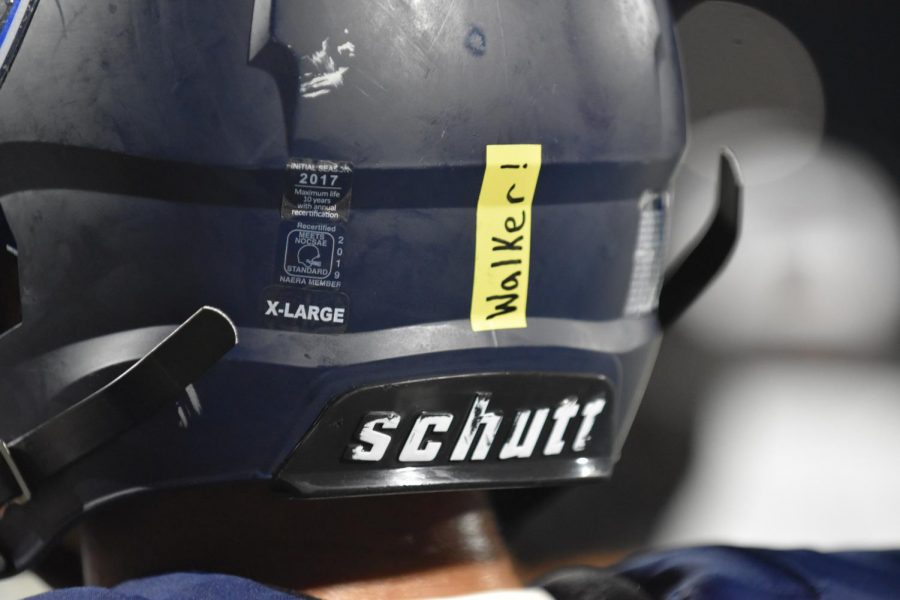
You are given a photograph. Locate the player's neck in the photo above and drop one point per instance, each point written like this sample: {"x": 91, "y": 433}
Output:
{"x": 392, "y": 547}
{"x": 448, "y": 580}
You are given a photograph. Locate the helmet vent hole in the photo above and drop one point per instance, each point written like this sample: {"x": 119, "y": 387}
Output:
{"x": 10, "y": 293}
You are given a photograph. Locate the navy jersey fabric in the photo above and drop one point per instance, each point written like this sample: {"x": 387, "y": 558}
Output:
{"x": 699, "y": 573}
{"x": 177, "y": 586}
{"x": 742, "y": 574}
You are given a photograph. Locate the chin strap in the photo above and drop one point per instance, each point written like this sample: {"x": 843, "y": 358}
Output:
{"x": 135, "y": 395}
{"x": 694, "y": 271}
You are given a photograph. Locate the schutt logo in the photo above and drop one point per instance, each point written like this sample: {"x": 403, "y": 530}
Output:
{"x": 429, "y": 432}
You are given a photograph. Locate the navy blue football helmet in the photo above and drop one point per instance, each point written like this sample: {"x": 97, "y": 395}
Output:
{"x": 432, "y": 232}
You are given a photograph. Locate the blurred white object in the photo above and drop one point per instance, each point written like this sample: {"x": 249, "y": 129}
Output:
{"x": 797, "y": 435}
{"x": 23, "y": 585}
{"x": 818, "y": 262}
{"x": 817, "y": 266}
{"x": 747, "y": 75}
{"x": 794, "y": 454}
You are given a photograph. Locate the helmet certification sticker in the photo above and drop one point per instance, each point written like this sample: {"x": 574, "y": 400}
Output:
{"x": 310, "y": 253}
{"x": 317, "y": 189}
{"x": 503, "y": 237}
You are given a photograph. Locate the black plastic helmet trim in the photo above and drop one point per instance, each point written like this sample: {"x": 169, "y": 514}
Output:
{"x": 694, "y": 271}
{"x": 176, "y": 362}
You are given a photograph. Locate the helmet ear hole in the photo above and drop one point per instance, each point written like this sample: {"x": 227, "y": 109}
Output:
{"x": 10, "y": 294}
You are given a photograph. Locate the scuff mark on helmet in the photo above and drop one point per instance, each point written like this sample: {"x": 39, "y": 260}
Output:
{"x": 321, "y": 73}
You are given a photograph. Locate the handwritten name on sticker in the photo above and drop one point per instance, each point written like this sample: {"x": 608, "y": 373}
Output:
{"x": 503, "y": 237}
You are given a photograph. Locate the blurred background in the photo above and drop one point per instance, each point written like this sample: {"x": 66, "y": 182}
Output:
{"x": 773, "y": 416}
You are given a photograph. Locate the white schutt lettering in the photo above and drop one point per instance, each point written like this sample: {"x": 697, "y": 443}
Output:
{"x": 413, "y": 449}
{"x": 480, "y": 429}
{"x": 374, "y": 442}
{"x": 479, "y": 420}
{"x": 514, "y": 448}
{"x": 590, "y": 413}
{"x": 564, "y": 413}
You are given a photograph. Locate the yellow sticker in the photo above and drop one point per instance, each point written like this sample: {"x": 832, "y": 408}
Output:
{"x": 503, "y": 237}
